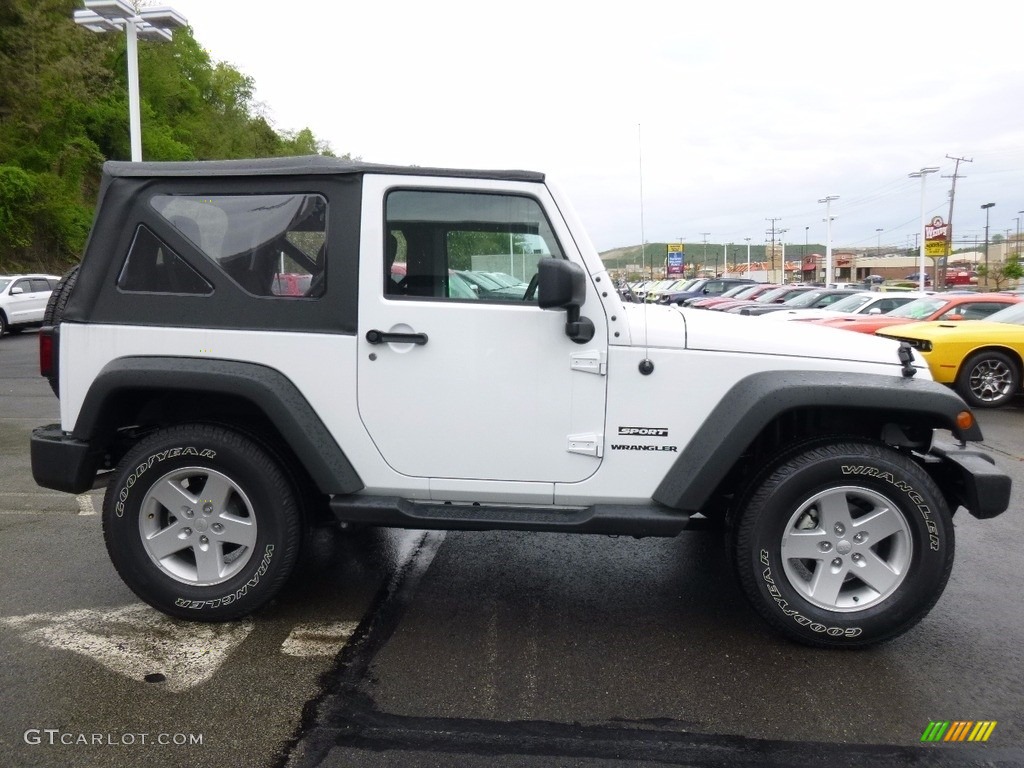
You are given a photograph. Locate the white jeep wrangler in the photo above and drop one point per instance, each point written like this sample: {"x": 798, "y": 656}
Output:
{"x": 249, "y": 346}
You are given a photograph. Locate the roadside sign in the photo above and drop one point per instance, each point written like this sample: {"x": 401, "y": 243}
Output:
{"x": 674, "y": 259}
{"x": 936, "y": 235}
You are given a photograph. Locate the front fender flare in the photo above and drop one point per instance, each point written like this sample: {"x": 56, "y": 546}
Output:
{"x": 756, "y": 400}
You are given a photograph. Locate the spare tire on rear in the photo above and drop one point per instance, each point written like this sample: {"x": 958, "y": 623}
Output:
{"x": 55, "y": 311}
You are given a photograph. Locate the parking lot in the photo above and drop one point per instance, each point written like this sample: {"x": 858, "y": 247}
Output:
{"x": 411, "y": 648}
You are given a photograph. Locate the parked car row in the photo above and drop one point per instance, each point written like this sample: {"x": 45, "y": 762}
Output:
{"x": 982, "y": 359}
{"x": 23, "y": 300}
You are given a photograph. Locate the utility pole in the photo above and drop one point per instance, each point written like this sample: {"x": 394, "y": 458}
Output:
{"x": 771, "y": 231}
{"x": 705, "y": 256}
{"x": 782, "y": 239}
{"x": 940, "y": 279}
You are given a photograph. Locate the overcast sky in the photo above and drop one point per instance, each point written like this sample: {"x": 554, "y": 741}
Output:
{"x": 737, "y": 112}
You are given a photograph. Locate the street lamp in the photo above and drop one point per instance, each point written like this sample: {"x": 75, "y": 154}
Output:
{"x": 748, "y": 255}
{"x": 149, "y": 24}
{"x": 985, "y": 208}
{"x": 828, "y": 236}
{"x": 878, "y": 230}
{"x": 922, "y": 174}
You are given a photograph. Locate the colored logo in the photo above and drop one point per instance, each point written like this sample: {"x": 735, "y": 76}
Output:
{"x": 958, "y": 730}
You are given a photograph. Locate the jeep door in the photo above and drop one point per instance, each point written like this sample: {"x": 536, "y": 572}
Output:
{"x": 457, "y": 382}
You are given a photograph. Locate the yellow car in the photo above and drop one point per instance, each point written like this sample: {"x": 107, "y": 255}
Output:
{"x": 982, "y": 359}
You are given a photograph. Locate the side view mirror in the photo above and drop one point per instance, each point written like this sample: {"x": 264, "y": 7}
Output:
{"x": 563, "y": 285}
{"x": 16, "y": 290}
{"x": 875, "y": 311}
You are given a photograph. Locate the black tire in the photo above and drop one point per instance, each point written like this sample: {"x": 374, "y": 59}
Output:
{"x": 3, "y": 324}
{"x": 843, "y": 544}
{"x": 195, "y": 550}
{"x": 988, "y": 379}
{"x": 55, "y": 306}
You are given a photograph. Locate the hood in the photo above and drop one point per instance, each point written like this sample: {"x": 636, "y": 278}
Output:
{"x": 956, "y": 329}
{"x": 699, "y": 329}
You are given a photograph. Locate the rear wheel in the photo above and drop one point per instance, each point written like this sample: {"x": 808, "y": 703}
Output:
{"x": 844, "y": 545}
{"x": 202, "y": 523}
{"x": 988, "y": 379}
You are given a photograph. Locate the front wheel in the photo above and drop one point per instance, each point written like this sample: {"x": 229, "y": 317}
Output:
{"x": 988, "y": 379}
{"x": 844, "y": 545}
{"x": 202, "y": 523}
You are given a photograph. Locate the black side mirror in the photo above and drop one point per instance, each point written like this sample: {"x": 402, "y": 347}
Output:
{"x": 563, "y": 285}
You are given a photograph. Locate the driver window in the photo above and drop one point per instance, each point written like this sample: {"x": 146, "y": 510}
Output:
{"x": 460, "y": 246}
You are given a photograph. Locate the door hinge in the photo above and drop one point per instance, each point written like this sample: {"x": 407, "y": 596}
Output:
{"x": 590, "y": 362}
{"x": 587, "y": 445}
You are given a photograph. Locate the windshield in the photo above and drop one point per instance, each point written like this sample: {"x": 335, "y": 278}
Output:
{"x": 1013, "y": 314}
{"x": 775, "y": 293}
{"x": 808, "y": 299}
{"x": 4, "y": 282}
{"x": 683, "y": 285}
{"x": 739, "y": 291}
{"x": 919, "y": 309}
{"x": 853, "y": 303}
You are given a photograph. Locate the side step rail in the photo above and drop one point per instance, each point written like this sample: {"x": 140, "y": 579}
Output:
{"x": 607, "y": 519}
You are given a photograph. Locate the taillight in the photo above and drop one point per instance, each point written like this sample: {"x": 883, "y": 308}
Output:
{"x": 46, "y": 352}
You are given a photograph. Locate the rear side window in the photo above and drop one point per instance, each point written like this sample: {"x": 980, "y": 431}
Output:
{"x": 152, "y": 267}
{"x": 270, "y": 245}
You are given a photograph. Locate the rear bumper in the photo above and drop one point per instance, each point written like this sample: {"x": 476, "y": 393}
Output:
{"x": 61, "y": 462}
{"x": 972, "y": 478}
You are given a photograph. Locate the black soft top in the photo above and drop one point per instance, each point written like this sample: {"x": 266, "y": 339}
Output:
{"x": 286, "y": 166}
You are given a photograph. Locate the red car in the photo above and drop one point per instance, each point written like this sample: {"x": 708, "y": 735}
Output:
{"x": 740, "y": 293}
{"x": 950, "y": 306}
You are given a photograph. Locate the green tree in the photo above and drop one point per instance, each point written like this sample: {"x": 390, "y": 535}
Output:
{"x": 999, "y": 275}
{"x": 64, "y": 111}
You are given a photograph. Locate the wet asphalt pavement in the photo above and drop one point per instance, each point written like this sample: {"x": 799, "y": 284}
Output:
{"x": 408, "y": 649}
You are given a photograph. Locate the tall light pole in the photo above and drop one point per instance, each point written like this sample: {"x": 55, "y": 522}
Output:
{"x": 148, "y": 24}
{"x": 878, "y": 250}
{"x": 923, "y": 175}
{"x": 704, "y": 257}
{"x": 748, "y": 255}
{"x": 986, "y": 208}
{"x": 828, "y": 236}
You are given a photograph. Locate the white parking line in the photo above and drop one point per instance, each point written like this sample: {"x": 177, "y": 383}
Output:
{"x": 85, "y": 506}
{"x": 136, "y": 641}
{"x": 318, "y": 638}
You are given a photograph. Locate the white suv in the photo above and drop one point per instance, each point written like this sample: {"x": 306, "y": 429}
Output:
{"x": 23, "y": 300}
{"x": 225, "y": 416}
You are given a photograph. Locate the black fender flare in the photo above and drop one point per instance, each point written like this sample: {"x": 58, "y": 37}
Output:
{"x": 756, "y": 400}
{"x": 266, "y": 388}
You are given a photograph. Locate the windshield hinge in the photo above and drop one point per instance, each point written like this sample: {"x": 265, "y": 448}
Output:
{"x": 587, "y": 445}
{"x": 590, "y": 362}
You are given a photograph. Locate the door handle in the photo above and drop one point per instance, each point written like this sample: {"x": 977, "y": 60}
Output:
{"x": 380, "y": 337}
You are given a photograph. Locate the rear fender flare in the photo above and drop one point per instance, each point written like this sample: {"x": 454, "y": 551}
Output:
{"x": 266, "y": 388}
